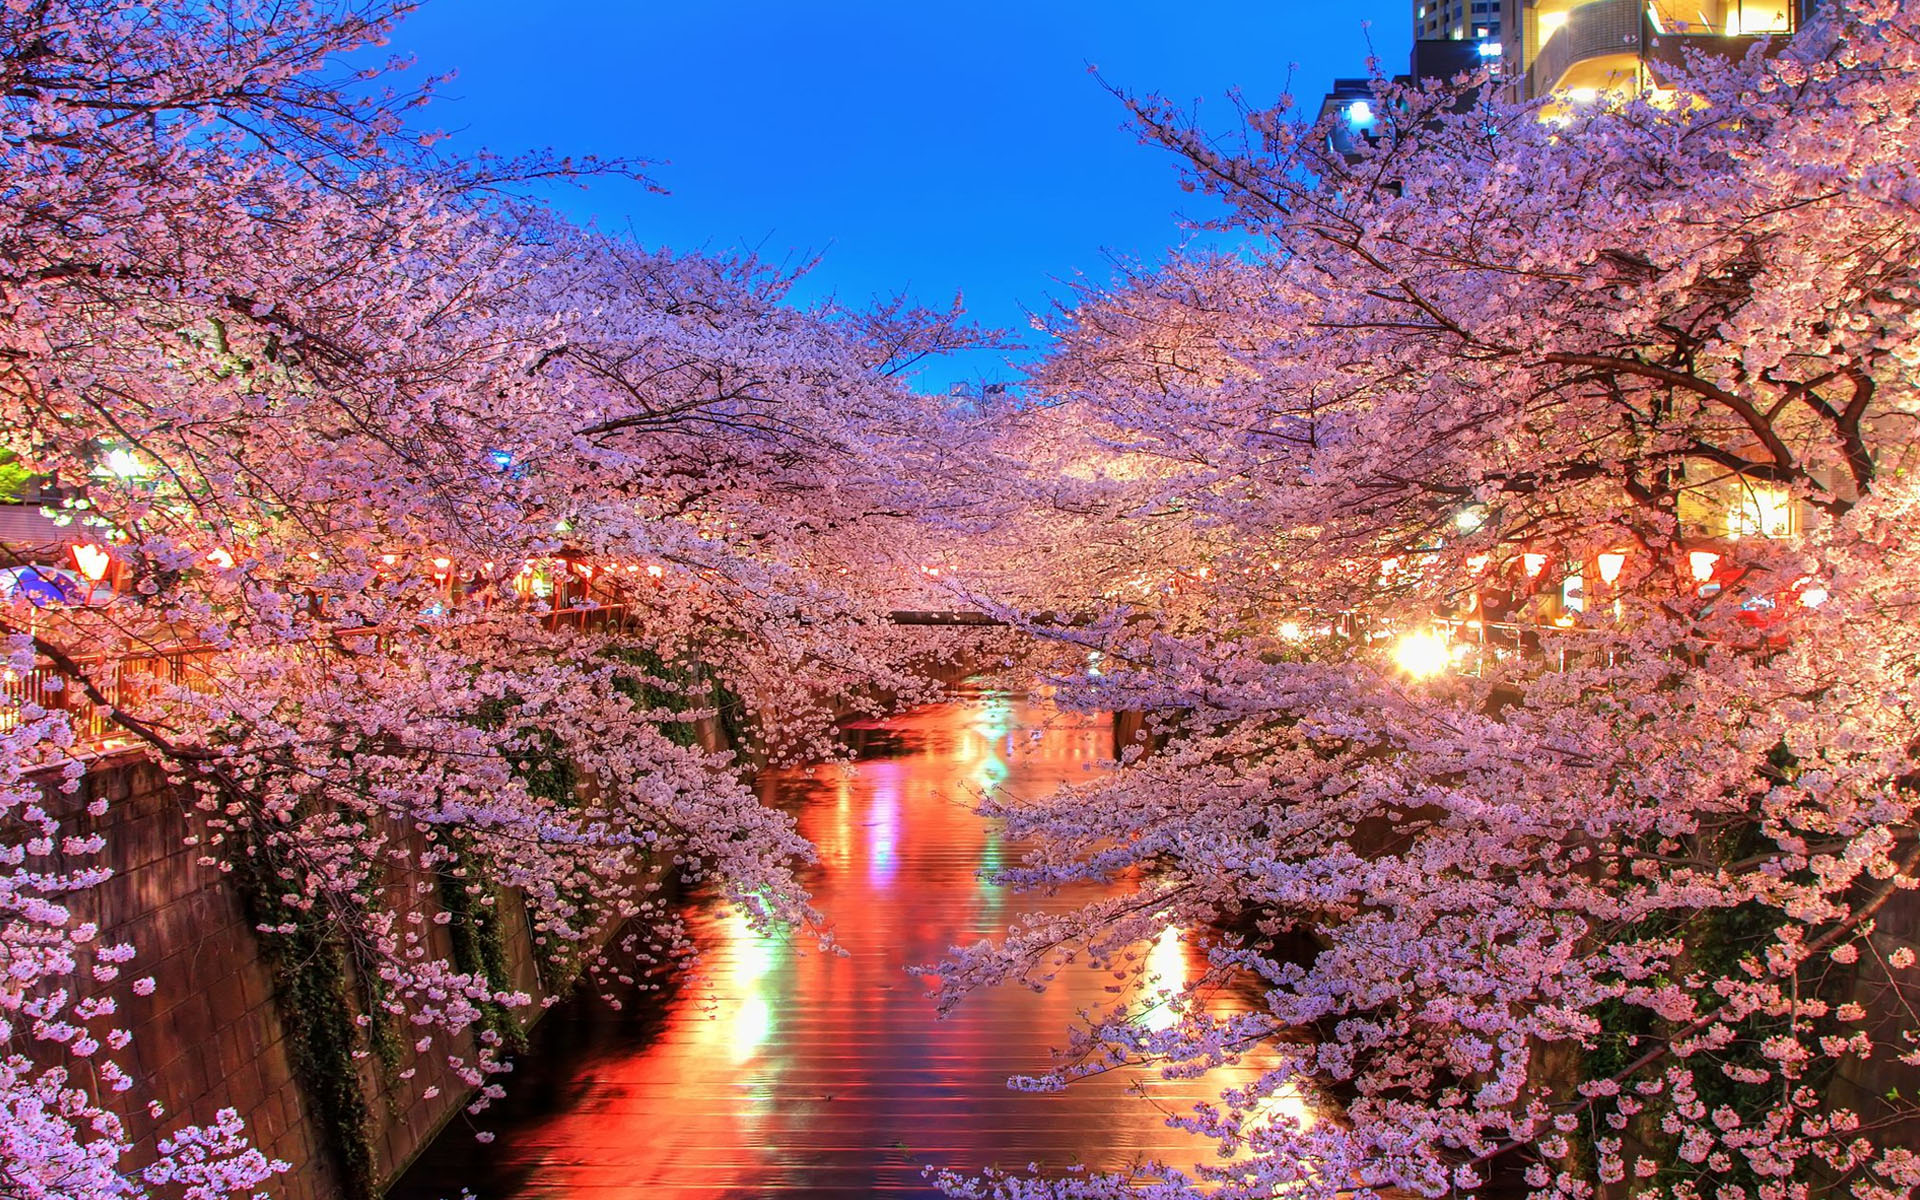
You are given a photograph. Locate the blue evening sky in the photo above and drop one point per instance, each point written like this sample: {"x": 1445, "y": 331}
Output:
{"x": 933, "y": 147}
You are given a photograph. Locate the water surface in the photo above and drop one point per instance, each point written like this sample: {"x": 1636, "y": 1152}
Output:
{"x": 777, "y": 1070}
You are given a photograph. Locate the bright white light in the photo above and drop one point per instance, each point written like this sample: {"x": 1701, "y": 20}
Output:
{"x": 1584, "y": 95}
{"x": 1764, "y": 512}
{"x": 124, "y": 464}
{"x": 1420, "y": 654}
{"x": 1610, "y": 564}
{"x": 1290, "y": 630}
{"x": 1469, "y": 519}
{"x": 92, "y": 560}
{"x": 1360, "y": 113}
{"x": 1166, "y": 972}
{"x": 1813, "y": 597}
{"x": 1490, "y": 50}
{"x": 1702, "y": 563}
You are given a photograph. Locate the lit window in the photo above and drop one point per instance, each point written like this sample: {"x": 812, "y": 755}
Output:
{"x": 1757, "y": 18}
{"x": 1763, "y": 511}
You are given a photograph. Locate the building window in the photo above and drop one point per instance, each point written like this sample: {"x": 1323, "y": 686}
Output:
{"x": 1762, "y": 510}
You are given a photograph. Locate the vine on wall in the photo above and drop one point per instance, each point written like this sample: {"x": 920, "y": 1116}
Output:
{"x": 312, "y": 983}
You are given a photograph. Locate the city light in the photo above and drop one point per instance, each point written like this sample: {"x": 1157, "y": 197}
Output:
{"x": 1702, "y": 563}
{"x": 1420, "y": 654}
{"x": 1610, "y": 564}
{"x": 1763, "y": 512}
{"x": 92, "y": 560}
{"x": 1360, "y": 114}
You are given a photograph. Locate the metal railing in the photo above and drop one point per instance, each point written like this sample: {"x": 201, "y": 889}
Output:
{"x": 126, "y": 682}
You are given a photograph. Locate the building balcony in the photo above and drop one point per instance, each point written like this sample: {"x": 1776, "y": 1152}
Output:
{"x": 1602, "y": 30}
{"x": 1604, "y": 44}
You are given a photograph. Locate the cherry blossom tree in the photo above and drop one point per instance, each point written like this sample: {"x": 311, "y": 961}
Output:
{"x": 350, "y": 419}
{"x": 1630, "y": 385}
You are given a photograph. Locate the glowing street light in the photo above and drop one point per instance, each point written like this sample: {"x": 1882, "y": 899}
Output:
{"x": 1420, "y": 655}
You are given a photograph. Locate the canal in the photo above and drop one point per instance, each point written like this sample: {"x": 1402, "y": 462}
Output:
{"x": 774, "y": 1069}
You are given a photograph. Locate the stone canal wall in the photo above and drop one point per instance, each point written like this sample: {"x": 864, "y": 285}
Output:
{"x": 235, "y": 1021}
{"x": 1883, "y": 1088}
{"x": 213, "y": 1033}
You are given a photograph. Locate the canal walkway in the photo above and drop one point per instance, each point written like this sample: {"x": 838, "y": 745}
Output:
{"x": 777, "y": 1070}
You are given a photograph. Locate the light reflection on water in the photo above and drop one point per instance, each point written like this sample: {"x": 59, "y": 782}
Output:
{"x": 777, "y": 1069}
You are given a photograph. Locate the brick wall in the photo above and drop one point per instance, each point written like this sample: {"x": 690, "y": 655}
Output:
{"x": 212, "y": 1033}
{"x": 210, "y": 1036}
{"x": 1864, "y": 1085}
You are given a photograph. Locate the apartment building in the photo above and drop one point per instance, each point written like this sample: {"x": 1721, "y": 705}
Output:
{"x": 1582, "y": 49}
{"x": 1456, "y": 20}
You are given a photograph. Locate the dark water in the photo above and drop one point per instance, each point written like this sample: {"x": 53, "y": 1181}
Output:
{"x": 778, "y": 1070}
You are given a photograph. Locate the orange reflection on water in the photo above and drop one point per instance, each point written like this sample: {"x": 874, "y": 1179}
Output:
{"x": 779, "y": 1069}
